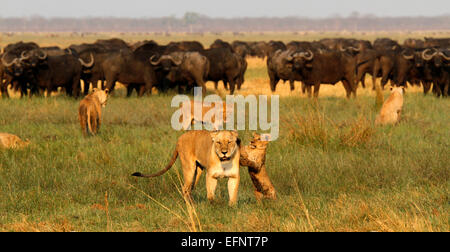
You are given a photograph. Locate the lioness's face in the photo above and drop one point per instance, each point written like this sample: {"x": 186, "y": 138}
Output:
{"x": 102, "y": 96}
{"x": 224, "y": 144}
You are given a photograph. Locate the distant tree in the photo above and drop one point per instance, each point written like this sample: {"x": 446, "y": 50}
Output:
{"x": 191, "y": 18}
{"x": 354, "y": 14}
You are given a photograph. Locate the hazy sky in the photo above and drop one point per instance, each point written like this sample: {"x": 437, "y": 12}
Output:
{"x": 221, "y": 8}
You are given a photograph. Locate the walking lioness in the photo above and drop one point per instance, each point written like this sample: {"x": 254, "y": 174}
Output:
{"x": 90, "y": 111}
{"x": 217, "y": 152}
{"x": 392, "y": 107}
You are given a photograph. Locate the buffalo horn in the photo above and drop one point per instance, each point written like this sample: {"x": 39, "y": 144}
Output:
{"x": 427, "y": 56}
{"x": 155, "y": 63}
{"x": 42, "y": 55}
{"x": 444, "y": 56}
{"x": 87, "y": 65}
{"x": 176, "y": 62}
{"x": 8, "y": 64}
{"x": 408, "y": 57}
{"x": 310, "y": 53}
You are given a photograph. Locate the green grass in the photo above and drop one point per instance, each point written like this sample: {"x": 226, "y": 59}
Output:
{"x": 394, "y": 178}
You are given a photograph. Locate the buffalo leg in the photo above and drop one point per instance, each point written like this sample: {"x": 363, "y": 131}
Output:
{"x": 76, "y": 86}
{"x": 225, "y": 84}
{"x": 147, "y": 88}
{"x": 316, "y": 89}
{"x": 426, "y": 87}
{"x": 232, "y": 87}
{"x": 4, "y": 89}
{"x": 375, "y": 72}
{"x": 348, "y": 88}
{"x": 363, "y": 80}
{"x": 130, "y": 88}
{"x": 309, "y": 90}
{"x": 273, "y": 82}
{"x": 291, "y": 84}
{"x": 303, "y": 87}
{"x": 86, "y": 85}
{"x": 142, "y": 91}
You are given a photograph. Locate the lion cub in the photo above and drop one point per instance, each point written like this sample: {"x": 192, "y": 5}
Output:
{"x": 392, "y": 107}
{"x": 216, "y": 152}
{"x": 254, "y": 157}
{"x": 12, "y": 141}
{"x": 90, "y": 112}
{"x": 207, "y": 109}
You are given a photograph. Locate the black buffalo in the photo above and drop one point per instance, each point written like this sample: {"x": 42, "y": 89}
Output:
{"x": 224, "y": 66}
{"x": 130, "y": 69}
{"x": 183, "y": 67}
{"x": 325, "y": 68}
{"x": 280, "y": 67}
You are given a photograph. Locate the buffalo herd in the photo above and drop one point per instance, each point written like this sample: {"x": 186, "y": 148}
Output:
{"x": 32, "y": 70}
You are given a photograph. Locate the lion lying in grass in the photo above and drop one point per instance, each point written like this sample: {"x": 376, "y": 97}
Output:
{"x": 12, "y": 141}
{"x": 254, "y": 157}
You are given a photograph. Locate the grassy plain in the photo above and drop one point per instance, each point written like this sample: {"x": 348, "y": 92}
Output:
{"x": 332, "y": 168}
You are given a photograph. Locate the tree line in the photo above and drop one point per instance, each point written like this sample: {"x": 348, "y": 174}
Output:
{"x": 196, "y": 23}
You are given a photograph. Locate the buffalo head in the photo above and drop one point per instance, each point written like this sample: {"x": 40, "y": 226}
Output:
{"x": 166, "y": 62}
{"x": 302, "y": 59}
{"x": 13, "y": 65}
{"x": 437, "y": 55}
{"x": 33, "y": 57}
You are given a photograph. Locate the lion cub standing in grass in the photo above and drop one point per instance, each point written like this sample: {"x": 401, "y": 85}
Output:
{"x": 254, "y": 157}
{"x": 11, "y": 141}
{"x": 188, "y": 107}
{"x": 217, "y": 152}
{"x": 90, "y": 111}
{"x": 392, "y": 107}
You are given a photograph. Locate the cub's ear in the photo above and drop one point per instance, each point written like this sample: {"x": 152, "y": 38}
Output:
{"x": 256, "y": 136}
{"x": 391, "y": 88}
{"x": 266, "y": 137}
{"x": 235, "y": 133}
{"x": 106, "y": 91}
{"x": 213, "y": 135}
{"x": 94, "y": 90}
{"x": 403, "y": 90}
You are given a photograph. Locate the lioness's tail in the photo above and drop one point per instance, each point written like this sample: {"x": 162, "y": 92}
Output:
{"x": 172, "y": 161}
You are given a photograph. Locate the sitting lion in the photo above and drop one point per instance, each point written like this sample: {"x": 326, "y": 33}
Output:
{"x": 254, "y": 157}
{"x": 392, "y": 107}
{"x": 90, "y": 112}
{"x": 12, "y": 141}
{"x": 217, "y": 152}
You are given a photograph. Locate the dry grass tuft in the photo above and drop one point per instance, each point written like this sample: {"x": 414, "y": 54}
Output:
{"x": 318, "y": 130}
{"x": 358, "y": 132}
{"x": 311, "y": 128}
{"x": 57, "y": 225}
